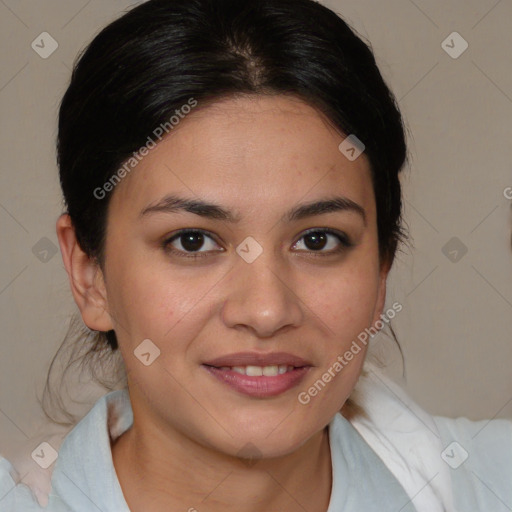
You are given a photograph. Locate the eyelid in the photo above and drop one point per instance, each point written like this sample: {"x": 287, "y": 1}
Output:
{"x": 342, "y": 237}
{"x": 198, "y": 254}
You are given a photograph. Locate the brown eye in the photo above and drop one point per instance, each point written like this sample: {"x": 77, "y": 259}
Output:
{"x": 316, "y": 240}
{"x": 189, "y": 241}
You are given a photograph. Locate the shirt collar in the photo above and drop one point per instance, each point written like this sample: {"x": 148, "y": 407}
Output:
{"x": 84, "y": 476}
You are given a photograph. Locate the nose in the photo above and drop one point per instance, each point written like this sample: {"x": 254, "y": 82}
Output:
{"x": 262, "y": 298}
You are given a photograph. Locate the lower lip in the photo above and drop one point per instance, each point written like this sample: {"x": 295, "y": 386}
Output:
{"x": 259, "y": 387}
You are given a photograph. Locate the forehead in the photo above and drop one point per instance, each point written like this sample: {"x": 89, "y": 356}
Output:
{"x": 248, "y": 152}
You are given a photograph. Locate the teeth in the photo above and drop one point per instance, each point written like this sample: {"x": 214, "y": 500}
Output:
{"x": 258, "y": 371}
{"x": 254, "y": 371}
{"x": 270, "y": 371}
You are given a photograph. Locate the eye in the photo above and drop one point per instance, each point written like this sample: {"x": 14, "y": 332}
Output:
{"x": 190, "y": 240}
{"x": 317, "y": 239}
{"x": 187, "y": 243}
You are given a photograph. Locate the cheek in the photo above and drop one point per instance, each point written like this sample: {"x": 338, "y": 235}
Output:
{"x": 345, "y": 301}
{"x": 140, "y": 298}
{"x": 153, "y": 301}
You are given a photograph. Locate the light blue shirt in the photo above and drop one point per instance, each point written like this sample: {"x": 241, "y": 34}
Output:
{"x": 479, "y": 454}
{"x": 84, "y": 477}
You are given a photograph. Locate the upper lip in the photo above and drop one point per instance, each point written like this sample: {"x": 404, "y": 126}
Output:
{"x": 258, "y": 359}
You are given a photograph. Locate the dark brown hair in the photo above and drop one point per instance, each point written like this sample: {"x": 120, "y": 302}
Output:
{"x": 142, "y": 67}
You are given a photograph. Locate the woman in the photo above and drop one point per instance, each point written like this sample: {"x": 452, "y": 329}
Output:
{"x": 231, "y": 176}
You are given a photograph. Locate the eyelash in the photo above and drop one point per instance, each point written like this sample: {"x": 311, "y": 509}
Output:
{"x": 343, "y": 239}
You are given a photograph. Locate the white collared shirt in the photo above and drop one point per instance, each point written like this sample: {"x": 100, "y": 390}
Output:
{"x": 400, "y": 458}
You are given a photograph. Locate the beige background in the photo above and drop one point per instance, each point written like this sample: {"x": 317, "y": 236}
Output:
{"x": 456, "y": 325}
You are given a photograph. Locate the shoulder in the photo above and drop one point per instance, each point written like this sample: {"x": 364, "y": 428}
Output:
{"x": 463, "y": 462}
{"x": 479, "y": 455}
{"x": 477, "y": 444}
{"x": 7, "y": 483}
{"x": 82, "y": 467}
{"x": 14, "y": 496}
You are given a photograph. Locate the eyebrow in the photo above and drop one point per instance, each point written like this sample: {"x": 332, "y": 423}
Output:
{"x": 173, "y": 204}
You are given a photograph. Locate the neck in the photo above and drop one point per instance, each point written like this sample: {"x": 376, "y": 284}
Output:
{"x": 172, "y": 472}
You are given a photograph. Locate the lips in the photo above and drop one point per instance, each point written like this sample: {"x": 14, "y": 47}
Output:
{"x": 258, "y": 359}
{"x": 254, "y": 374}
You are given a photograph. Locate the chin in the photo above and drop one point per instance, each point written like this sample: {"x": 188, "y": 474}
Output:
{"x": 264, "y": 440}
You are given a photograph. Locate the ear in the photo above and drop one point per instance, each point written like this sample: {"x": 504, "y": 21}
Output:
{"x": 85, "y": 277}
{"x": 381, "y": 292}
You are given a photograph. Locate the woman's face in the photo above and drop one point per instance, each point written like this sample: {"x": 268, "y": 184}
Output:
{"x": 254, "y": 290}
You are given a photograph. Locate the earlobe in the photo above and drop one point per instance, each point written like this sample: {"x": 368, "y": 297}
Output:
{"x": 85, "y": 277}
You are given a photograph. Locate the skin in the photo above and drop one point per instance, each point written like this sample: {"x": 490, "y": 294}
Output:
{"x": 258, "y": 157}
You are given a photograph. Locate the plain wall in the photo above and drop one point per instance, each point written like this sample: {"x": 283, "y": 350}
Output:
{"x": 455, "y": 328}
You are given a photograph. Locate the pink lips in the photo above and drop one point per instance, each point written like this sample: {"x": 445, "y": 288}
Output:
{"x": 260, "y": 386}
{"x": 258, "y": 359}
